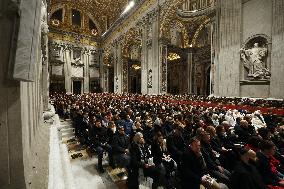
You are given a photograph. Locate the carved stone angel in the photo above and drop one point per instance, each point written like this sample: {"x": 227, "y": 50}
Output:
{"x": 254, "y": 60}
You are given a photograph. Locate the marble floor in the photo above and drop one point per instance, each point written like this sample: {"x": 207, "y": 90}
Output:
{"x": 68, "y": 171}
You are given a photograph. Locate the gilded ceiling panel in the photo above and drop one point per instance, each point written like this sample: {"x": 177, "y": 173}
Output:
{"x": 105, "y": 12}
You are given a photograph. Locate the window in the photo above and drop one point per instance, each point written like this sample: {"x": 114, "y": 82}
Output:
{"x": 57, "y": 15}
{"x": 92, "y": 25}
{"x": 76, "y": 18}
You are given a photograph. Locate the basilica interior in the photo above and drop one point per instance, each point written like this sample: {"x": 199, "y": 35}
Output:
{"x": 158, "y": 60}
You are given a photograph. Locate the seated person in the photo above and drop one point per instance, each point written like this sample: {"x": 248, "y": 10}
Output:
{"x": 139, "y": 155}
{"x": 176, "y": 144}
{"x": 211, "y": 160}
{"x": 160, "y": 157}
{"x": 245, "y": 175}
{"x": 244, "y": 131}
{"x": 120, "y": 148}
{"x": 98, "y": 137}
{"x": 269, "y": 175}
{"x": 194, "y": 169}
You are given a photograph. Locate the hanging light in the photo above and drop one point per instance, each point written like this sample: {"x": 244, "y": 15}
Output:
{"x": 136, "y": 67}
{"x": 173, "y": 56}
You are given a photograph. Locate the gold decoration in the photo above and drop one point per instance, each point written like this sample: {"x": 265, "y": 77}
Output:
{"x": 136, "y": 67}
{"x": 95, "y": 9}
{"x": 72, "y": 39}
{"x": 55, "y": 22}
{"x": 173, "y": 56}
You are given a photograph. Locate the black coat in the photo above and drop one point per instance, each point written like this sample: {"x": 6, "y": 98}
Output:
{"x": 244, "y": 134}
{"x": 192, "y": 169}
{"x": 176, "y": 146}
{"x": 209, "y": 157}
{"x": 157, "y": 153}
{"x": 246, "y": 176}
{"x": 98, "y": 135}
{"x": 120, "y": 143}
{"x": 139, "y": 156}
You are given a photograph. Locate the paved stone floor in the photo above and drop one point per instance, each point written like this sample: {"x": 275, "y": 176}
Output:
{"x": 79, "y": 167}
{"x": 83, "y": 168}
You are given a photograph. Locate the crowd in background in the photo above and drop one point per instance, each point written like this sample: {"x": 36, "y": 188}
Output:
{"x": 182, "y": 141}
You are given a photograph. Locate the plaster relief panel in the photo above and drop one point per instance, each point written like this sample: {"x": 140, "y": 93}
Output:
{"x": 57, "y": 70}
{"x": 94, "y": 72}
{"x": 77, "y": 71}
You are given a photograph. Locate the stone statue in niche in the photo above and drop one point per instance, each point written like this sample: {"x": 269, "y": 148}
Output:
{"x": 254, "y": 60}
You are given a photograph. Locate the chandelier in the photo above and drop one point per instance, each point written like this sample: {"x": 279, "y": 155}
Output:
{"x": 136, "y": 67}
{"x": 173, "y": 56}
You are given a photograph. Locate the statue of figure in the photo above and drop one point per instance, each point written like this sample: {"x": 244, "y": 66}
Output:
{"x": 254, "y": 61}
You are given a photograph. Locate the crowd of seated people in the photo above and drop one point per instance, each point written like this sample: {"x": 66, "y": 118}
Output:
{"x": 178, "y": 144}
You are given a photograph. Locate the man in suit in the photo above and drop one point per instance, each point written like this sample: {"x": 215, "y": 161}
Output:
{"x": 120, "y": 148}
{"x": 193, "y": 166}
{"x": 245, "y": 175}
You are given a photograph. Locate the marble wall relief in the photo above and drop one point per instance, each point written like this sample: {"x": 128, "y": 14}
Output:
{"x": 254, "y": 59}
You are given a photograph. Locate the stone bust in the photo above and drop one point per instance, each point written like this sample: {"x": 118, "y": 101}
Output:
{"x": 254, "y": 60}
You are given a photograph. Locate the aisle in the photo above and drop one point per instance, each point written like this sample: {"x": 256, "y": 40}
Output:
{"x": 71, "y": 167}
{"x": 83, "y": 168}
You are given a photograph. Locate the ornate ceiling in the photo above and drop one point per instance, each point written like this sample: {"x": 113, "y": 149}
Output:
{"x": 104, "y": 12}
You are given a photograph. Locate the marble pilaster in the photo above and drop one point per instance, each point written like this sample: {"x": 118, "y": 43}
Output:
{"x": 86, "y": 61}
{"x": 155, "y": 58}
{"x": 277, "y": 66}
{"x": 102, "y": 73}
{"x": 144, "y": 63}
{"x": 118, "y": 75}
{"x": 67, "y": 69}
{"x": 189, "y": 71}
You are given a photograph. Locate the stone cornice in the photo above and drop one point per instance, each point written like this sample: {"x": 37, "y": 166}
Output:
{"x": 188, "y": 14}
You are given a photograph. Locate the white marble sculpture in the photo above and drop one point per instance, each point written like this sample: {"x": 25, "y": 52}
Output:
{"x": 254, "y": 60}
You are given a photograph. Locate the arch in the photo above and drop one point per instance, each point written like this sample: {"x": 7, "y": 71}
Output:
{"x": 268, "y": 39}
{"x": 167, "y": 13}
{"x": 78, "y": 6}
{"x": 196, "y": 34}
{"x": 55, "y": 8}
{"x": 131, "y": 37}
{"x": 185, "y": 37}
